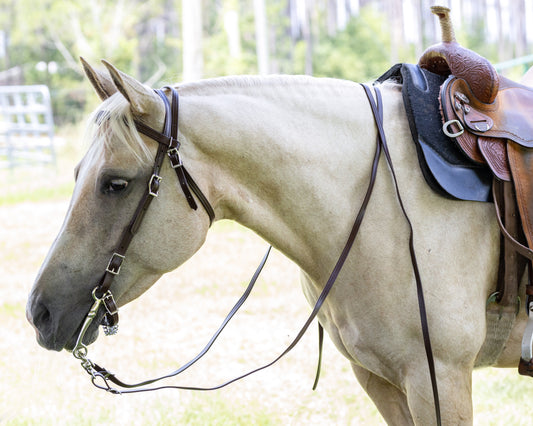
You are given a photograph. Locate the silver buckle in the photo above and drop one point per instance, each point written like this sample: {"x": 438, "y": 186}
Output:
{"x": 175, "y": 158}
{"x": 155, "y": 179}
{"x": 450, "y": 134}
{"x": 110, "y": 268}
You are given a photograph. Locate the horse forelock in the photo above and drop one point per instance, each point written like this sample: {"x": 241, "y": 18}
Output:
{"x": 112, "y": 127}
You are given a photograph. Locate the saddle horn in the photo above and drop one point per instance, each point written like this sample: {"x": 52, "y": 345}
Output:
{"x": 449, "y": 57}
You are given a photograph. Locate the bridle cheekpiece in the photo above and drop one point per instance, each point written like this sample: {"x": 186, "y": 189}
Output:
{"x": 169, "y": 145}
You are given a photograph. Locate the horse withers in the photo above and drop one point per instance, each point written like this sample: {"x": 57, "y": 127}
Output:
{"x": 289, "y": 158}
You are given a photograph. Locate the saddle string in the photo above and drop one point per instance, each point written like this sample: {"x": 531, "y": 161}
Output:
{"x": 98, "y": 372}
{"x": 377, "y": 111}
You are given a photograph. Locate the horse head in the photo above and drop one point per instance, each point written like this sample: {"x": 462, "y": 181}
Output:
{"x": 110, "y": 180}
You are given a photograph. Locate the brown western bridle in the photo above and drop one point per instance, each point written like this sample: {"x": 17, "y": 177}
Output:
{"x": 169, "y": 144}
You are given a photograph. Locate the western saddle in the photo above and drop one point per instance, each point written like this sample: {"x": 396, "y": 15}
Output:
{"x": 491, "y": 118}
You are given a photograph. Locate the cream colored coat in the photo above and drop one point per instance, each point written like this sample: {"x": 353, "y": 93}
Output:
{"x": 289, "y": 157}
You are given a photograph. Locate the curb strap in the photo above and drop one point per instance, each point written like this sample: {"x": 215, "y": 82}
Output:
{"x": 378, "y": 117}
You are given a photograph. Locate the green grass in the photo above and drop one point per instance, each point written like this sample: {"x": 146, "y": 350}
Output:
{"x": 13, "y": 310}
{"x": 220, "y": 412}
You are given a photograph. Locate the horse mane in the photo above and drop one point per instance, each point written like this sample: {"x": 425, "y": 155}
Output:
{"x": 113, "y": 121}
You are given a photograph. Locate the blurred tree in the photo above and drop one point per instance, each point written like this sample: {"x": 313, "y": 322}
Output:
{"x": 359, "y": 53}
{"x": 518, "y": 12}
{"x": 159, "y": 41}
{"x": 261, "y": 36}
{"x": 192, "y": 24}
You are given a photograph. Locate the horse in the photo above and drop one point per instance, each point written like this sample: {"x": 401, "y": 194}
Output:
{"x": 288, "y": 157}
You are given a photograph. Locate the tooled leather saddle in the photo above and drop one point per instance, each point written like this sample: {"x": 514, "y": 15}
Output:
{"x": 491, "y": 119}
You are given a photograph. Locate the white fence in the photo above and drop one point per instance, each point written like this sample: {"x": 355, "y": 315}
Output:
{"x": 26, "y": 126}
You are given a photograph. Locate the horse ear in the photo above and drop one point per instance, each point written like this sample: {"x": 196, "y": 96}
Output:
{"x": 101, "y": 82}
{"x": 140, "y": 97}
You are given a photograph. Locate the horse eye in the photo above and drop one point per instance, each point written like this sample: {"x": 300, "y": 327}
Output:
{"x": 116, "y": 185}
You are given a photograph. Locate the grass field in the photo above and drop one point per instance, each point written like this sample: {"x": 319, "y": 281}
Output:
{"x": 171, "y": 322}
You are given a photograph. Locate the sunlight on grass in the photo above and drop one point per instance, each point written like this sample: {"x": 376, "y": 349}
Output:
{"x": 219, "y": 412}
{"x": 45, "y": 193}
{"x": 499, "y": 397}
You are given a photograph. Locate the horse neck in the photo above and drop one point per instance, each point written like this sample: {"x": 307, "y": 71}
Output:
{"x": 289, "y": 159}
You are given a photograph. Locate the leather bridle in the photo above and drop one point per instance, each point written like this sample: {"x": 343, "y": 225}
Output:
{"x": 169, "y": 144}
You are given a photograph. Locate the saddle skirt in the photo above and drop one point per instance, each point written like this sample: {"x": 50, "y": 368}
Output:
{"x": 446, "y": 169}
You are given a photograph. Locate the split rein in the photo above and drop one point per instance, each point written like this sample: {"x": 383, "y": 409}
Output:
{"x": 169, "y": 144}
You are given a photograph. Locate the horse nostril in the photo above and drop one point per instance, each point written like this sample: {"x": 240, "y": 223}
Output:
{"x": 44, "y": 317}
{"x": 39, "y": 316}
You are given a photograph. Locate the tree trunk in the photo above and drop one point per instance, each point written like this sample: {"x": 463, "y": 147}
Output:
{"x": 501, "y": 39}
{"x": 307, "y": 35}
{"x": 193, "y": 59}
{"x": 331, "y": 17}
{"x": 395, "y": 18}
{"x": 261, "y": 37}
{"x": 231, "y": 26}
{"x": 519, "y": 14}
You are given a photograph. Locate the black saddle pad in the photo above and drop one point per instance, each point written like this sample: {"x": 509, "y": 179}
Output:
{"x": 446, "y": 169}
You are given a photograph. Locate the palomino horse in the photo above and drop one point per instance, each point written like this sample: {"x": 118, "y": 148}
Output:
{"x": 290, "y": 158}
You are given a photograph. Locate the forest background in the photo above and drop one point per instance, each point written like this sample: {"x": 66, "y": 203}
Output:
{"x": 166, "y": 41}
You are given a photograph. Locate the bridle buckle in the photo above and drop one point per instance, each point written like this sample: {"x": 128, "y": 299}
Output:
{"x": 153, "y": 185}
{"x": 175, "y": 158}
{"x": 115, "y": 263}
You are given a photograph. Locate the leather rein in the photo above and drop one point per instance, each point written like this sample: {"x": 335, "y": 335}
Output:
{"x": 169, "y": 144}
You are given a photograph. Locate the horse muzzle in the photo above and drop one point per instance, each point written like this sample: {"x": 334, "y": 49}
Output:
{"x": 52, "y": 328}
